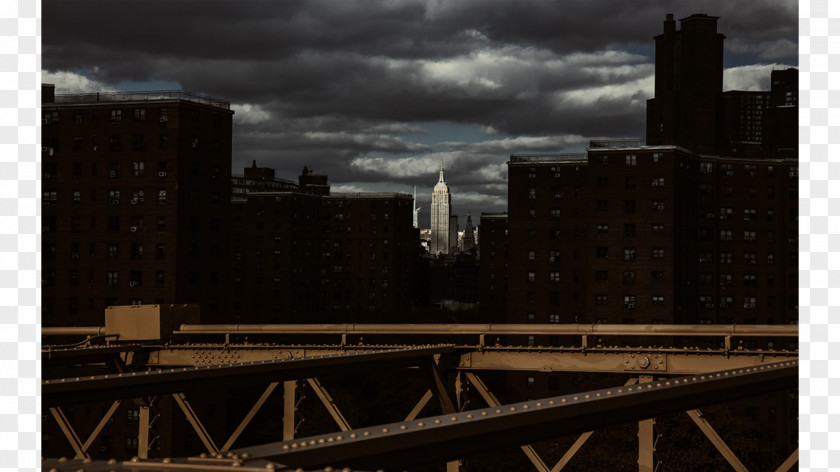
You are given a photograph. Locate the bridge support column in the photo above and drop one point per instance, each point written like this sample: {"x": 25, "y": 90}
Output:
{"x": 289, "y": 409}
{"x": 647, "y": 438}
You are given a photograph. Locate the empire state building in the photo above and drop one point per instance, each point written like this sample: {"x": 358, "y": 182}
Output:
{"x": 441, "y": 208}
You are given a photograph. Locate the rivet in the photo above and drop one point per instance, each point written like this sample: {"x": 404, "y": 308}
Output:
{"x": 353, "y": 435}
{"x": 597, "y": 394}
{"x": 454, "y": 418}
{"x": 483, "y": 413}
{"x": 551, "y": 402}
{"x": 498, "y": 411}
{"x": 562, "y": 400}
{"x": 166, "y": 460}
{"x": 469, "y": 416}
{"x": 586, "y": 396}
{"x": 421, "y": 424}
{"x": 341, "y": 438}
{"x": 294, "y": 446}
{"x": 609, "y": 392}
{"x": 575, "y": 399}
{"x": 539, "y": 403}
{"x": 513, "y": 408}
{"x": 403, "y": 427}
{"x": 285, "y": 447}
{"x": 385, "y": 430}
{"x": 322, "y": 441}
{"x": 366, "y": 433}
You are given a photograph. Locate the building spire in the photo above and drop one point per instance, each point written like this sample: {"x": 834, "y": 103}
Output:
{"x": 441, "y": 181}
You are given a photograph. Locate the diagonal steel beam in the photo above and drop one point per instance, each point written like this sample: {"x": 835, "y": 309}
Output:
{"x": 248, "y": 417}
{"x": 101, "y": 425}
{"x": 419, "y": 406}
{"x": 439, "y": 387}
{"x": 135, "y": 384}
{"x": 581, "y": 440}
{"x": 789, "y": 462}
{"x": 697, "y": 416}
{"x": 69, "y": 433}
{"x": 493, "y": 401}
{"x": 453, "y": 435}
{"x": 199, "y": 428}
{"x": 329, "y": 404}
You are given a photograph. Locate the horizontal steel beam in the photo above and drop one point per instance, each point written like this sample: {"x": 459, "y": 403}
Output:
{"x": 641, "y": 361}
{"x": 138, "y": 384}
{"x": 73, "y": 331}
{"x": 452, "y": 436}
{"x": 78, "y": 353}
{"x": 497, "y": 329}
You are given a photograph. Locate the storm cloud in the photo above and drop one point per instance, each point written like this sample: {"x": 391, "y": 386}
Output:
{"x": 378, "y": 94}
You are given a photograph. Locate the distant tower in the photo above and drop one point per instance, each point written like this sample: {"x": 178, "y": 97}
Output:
{"x": 416, "y": 209}
{"x": 441, "y": 208}
{"x": 469, "y": 236}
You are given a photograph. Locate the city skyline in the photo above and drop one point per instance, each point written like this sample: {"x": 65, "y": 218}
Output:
{"x": 375, "y": 96}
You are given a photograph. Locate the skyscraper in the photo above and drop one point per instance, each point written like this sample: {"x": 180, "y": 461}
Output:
{"x": 441, "y": 209}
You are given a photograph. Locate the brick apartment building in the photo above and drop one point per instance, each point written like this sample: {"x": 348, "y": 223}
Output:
{"x": 307, "y": 255}
{"x": 136, "y": 197}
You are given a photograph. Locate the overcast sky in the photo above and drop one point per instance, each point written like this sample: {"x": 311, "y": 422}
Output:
{"x": 377, "y": 94}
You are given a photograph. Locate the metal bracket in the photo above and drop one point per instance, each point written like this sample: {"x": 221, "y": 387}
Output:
{"x": 650, "y": 362}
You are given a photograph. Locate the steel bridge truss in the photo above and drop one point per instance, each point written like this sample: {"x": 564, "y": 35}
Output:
{"x": 651, "y": 391}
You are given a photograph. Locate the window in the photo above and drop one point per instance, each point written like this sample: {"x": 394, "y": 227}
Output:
{"x": 531, "y": 382}
{"x": 630, "y": 230}
{"x": 554, "y": 255}
{"x": 726, "y": 258}
{"x": 706, "y": 301}
{"x": 139, "y": 114}
{"x": 601, "y": 252}
{"x": 77, "y": 118}
{"x": 749, "y": 303}
{"x": 135, "y": 278}
{"x": 530, "y": 298}
{"x": 630, "y": 159}
{"x": 113, "y": 197}
{"x": 601, "y": 275}
{"x": 658, "y": 253}
{"x": 116, "y": 116}
{"x": 657, "y": 228}
{"x": 726, "y": 235}
{"x": 725, "y": 280}
{"x": 137, "y": 196}
{"x": 77, "y": 197}
{"x": 113, "y": 251}
{"x": 555, "y": 213}
{"x": 532, "y": 193}
{"x": 657, "y": 300}
{"x": 114, "y": 143}
{"x": 161, "y": 196}
{"x": 601, "y": 299}
{"x": 749, "y": 280}
{"x": 137, "y": 250}
{"x": 657, "y": 276}
{"x": 629, "y": 206}
{"x": 138, "y": 169}
{"x": 749, "y": 258}
{"x": 138, "y": 142}
{"x": 657, "y": 205}
{"x": 160, "y": 251}
{"x": 657, "y": 182}
{"x": 656, "y": 156}
{"x": 554, "y": 317}
{"x": 629, "y": 183}
{"x": 629, "y": 302}
{"x": 77, "y": 144}
{"x": 706, "y": 167}
{"x": 113, "y": 278}
{"x": 602, "y": 228}
{"x": 160, "y": 278}
{"x": 131, "y": 444}
{"x": 161, "y": 224}
{"x": 725, "y": 213}
{"x": 750, "y": 170}
{"x": 629, "y": 254}
{"x": 163, "y": 142}
{"x": 770, "y": 258}
{"x": 554, "y": 277}
{"x": 793, "y": 171}
{"x": 602, "y": 205}
{"x": 629, "y": 277}
{"x": 602, "y": 181}
{"x": 749, "y": 214}
{"x": 532, "y": 276}
{"x": 532, "y": 256}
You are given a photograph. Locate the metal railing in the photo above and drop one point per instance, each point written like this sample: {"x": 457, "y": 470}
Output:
{"x": 573, "y": 157}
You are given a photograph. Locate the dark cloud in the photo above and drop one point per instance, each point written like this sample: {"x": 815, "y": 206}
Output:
{"x": 343, "y": 84}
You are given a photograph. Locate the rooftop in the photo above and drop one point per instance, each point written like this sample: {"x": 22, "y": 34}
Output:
{"x": 108, "y": 97}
